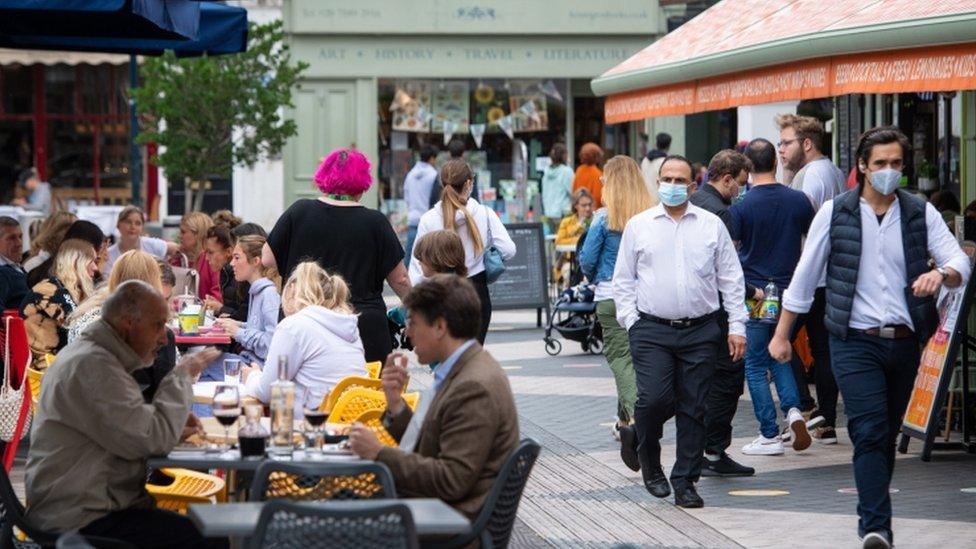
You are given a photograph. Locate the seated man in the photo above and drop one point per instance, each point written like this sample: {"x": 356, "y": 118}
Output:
{"x": 13, "y": 279}
{"x": 93, "y": 431}
{"x": 471, "y": 426}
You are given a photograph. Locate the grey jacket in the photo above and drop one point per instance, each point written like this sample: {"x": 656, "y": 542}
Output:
{"x": 262, "y": 319}
{"x": 93, "y": 431}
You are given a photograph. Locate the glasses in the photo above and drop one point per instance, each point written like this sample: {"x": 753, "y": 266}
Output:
{"x": 786, "y": 142}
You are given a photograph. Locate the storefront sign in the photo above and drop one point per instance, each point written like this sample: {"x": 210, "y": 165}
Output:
{"x": 916, "y": 70}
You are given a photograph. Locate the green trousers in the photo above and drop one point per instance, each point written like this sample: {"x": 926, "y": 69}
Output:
{"x": 616, "y": 349}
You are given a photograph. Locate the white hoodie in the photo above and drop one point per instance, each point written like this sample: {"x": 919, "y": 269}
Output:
{"x": 322, "y": 347}
{"x": 433, "y": 220}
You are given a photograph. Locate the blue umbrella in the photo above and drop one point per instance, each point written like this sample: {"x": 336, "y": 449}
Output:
{"x": 164, "y": 19}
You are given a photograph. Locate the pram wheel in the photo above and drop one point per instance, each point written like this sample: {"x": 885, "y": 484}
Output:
{"x": 594, "y": 346}
{"x": 553, "y": 347}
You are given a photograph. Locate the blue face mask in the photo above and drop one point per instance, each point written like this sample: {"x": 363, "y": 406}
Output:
{"x": 886, "y": 181}
{"x": 672, "y": 194}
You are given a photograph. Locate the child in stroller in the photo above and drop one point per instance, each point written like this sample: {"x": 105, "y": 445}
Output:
{"x": 573, "y": 315}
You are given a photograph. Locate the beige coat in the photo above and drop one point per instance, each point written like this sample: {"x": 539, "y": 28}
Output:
{"x": 469, "y": 431}
{"x": 93, "y": 432}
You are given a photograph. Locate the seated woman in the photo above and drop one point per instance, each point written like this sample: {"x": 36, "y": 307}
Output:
{"x": 80, "y": 230}
{"x": 220, "y": 248}
{"x": 319, "y": 337}
{"x": 576, "y": 223}
{"x": 130, "y": 225}
{"x": 132, "y": 265}
{"x": 192, "y": 254}
{"x": 51, "y": 301}
{"x": 254, "y": 336}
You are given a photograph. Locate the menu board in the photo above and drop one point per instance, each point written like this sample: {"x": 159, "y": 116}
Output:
{"x": 523, "y": 285}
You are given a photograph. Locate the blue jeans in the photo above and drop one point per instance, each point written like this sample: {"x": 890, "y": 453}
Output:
{"x": 411, "y": 237}
{"x": 875, "y": 377}
{"x": 758, "y": 362}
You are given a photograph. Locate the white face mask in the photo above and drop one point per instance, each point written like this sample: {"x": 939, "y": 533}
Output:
{"x": 885, "y": 181}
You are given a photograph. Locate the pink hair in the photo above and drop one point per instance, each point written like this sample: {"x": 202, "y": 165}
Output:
{"x": 344, "y": 171}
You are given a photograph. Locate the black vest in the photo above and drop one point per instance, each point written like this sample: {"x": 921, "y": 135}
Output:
{"x": 843, "y": 262}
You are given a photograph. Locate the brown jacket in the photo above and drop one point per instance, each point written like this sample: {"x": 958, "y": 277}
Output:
{"x": 470, "y": 429}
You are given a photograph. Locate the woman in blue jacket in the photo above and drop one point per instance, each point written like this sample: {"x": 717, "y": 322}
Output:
{"x": 624, "y": 196}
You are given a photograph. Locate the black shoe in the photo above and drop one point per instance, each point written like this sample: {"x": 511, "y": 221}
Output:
{"x": 725, "y": 466}
{"x": 688, "y": 498}
{"x": 655, "y": 482}
{"x": 628, "y": 448}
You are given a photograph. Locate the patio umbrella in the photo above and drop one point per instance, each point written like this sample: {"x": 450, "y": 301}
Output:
{"x": 164, "y": 19}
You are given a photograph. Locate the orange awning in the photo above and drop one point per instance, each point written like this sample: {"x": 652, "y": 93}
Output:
{"x": 761, "y": 51}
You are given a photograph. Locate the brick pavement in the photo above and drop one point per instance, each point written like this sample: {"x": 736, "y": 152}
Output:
{"x": 568, "y": 401}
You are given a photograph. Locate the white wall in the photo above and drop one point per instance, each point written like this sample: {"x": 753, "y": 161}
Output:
{"x": 759, "y": 121}
{"x": 673, "y": 125}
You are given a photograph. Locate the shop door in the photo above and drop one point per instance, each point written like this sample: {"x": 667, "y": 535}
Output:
{"x": 589, "y": 127}
{"x": 325, "y": 113}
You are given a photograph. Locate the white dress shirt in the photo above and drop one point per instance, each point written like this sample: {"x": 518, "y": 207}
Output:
{"x": 676, "y": 269}
{"x": 879, "y": 297}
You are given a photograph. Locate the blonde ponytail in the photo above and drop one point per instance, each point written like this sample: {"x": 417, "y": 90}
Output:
{"x": 455, "y": 175}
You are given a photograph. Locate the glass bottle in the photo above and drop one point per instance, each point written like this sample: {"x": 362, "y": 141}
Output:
{"x": 770, "y": 310}
{"x": 252, "y": 437}
{"x": 282, "y": 410}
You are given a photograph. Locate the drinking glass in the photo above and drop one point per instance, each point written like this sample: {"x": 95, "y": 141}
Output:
{"x": 314, "y": 421}
{"x": 232, "y": 371}
{"x": 227, "y": 408}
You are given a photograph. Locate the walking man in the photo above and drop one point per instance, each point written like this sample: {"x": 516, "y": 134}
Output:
{"x": 875, "y": 242}
{"x": 800, "y": 148}
{"x": 675, "y": 260}
{"x": 417, "y": 187}
{"x": 769, "y": 225}
{"x": 728, "y": 172}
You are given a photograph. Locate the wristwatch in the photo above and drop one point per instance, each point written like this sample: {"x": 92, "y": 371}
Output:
{"x": 942, "y": 271}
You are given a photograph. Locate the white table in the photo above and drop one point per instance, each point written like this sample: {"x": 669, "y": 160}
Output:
{"x": 203, "y": 391}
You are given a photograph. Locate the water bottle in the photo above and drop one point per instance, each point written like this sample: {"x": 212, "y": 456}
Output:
{"x": 282, "y": 410}
{"x": 770, "y": 308}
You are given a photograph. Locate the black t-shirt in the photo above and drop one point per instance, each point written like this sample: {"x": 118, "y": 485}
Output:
{"x": 355, "y": 242}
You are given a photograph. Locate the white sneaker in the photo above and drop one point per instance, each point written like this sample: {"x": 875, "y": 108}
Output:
{"x": 615, "y": 430}
{"x": 801, "y": 437}
{"x": 763, "y": 446}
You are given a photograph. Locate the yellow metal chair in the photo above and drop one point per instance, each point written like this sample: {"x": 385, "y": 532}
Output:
{"x": 357, "y": 400}
{"x": 187, "y": 487}
{"x": 34, "y": 382}
{"x": 373, "y": 369}
{"x": 372, "y": 420}
{"x": 346, "y": 383}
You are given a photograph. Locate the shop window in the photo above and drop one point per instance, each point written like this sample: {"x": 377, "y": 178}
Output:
{"x": 16, "y": 89}
{"x": 59, "y": 88}
{"x": 70, "y": 160}
{"x": 114, "y": 154}
{"x": 94, "y": 87}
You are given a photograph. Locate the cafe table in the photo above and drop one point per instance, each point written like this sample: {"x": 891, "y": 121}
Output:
{"x": 212, "y": 338}
{"x": 432, "y": 517}
{"x": 203, "y": 391}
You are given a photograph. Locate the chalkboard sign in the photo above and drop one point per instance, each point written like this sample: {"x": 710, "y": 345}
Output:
{"x": 523, "y": 285}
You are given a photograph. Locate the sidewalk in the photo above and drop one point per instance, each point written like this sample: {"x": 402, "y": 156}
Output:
{"x": 581, "y": 495}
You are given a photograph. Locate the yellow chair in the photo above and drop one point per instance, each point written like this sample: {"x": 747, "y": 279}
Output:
{"x": 346, "y": 383}
{"x": 357, "y": 400}
{"x": 373, "y": 369}
{"x": 187, "y": 487}
{"x": 372, "y": 419}
{"x": 34, "y": 382}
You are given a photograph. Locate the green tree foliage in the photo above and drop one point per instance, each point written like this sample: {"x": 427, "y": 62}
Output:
{"x": 209, "y": 114}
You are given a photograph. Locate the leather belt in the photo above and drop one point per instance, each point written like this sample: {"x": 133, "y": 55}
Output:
{"x": 680, "y": 323}
{"x": 889, "y": 332}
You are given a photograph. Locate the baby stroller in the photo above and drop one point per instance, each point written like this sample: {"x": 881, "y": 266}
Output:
{"x": 573, "y": 315}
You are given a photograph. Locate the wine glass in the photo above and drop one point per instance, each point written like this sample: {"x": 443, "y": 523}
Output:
{"x": 314, "y": 421}
{"x": 227, "y": 408}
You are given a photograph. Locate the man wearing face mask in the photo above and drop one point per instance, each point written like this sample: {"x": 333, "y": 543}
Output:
{"x": 875, "y": 242}
{"x": 675, "y": 268}
{"x": 728, "y": 172}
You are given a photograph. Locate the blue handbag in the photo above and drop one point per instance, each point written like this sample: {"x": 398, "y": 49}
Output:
{"x": 494, "y": 264}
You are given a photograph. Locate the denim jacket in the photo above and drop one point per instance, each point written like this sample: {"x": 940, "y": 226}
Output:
{"x": 599, "y": 253}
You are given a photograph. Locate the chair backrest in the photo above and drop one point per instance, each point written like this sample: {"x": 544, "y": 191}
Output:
{"x": 373, "y": 369}
{"x": 373, "y": 419}
{"x": 497, "y": 516}
{"x": 354, "y": 401}
{"x": 344, "y": 384}
{"x": 334, "y": 525}
{"x": 322, "y": 481}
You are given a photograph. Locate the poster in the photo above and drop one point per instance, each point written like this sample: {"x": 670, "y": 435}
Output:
{"x": 528, "y": 105}
{"x": 411, "y": 106}
{"x": 450, "y": 107}
{"x": 490, "y": 105}
{"x": 922, "y": 403}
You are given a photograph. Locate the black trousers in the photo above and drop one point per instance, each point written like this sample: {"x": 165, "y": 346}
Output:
{"x": 153, "y": 528}
{"x": 674, "y": 370}
{"x": 820, "y": 349}
{"x": 723, "y": 396}
{"x": 480, "y": 282}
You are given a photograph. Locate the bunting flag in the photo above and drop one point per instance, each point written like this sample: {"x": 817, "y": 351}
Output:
{"x": 449, "y": 128}
{"x": 478, "y": 132}
{"x": 549, "y": 88}
{"x": 507, "y": 125}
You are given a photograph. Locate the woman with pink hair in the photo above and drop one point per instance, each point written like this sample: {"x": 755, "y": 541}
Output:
{"x": 345, "y": 238}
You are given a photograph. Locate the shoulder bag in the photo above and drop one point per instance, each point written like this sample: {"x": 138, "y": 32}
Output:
{"x": 494, "y": 263}
{"x": 15, "y": 417}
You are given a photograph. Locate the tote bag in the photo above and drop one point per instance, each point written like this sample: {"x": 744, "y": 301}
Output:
{"x": 15, "y": 417}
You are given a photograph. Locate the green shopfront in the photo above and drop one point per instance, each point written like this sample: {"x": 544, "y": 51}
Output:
{"x": 506, "y": 77}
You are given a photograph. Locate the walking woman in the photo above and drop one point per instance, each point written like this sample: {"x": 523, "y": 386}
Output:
{"x": 347, "y": 239}
{"x": 624, "y": 195}
{"x": 588, "y": 174}
{"x": 478, "y": 227}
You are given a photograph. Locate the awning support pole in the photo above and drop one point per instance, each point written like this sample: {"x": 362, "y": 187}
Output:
{"x": 135, "y": 155}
